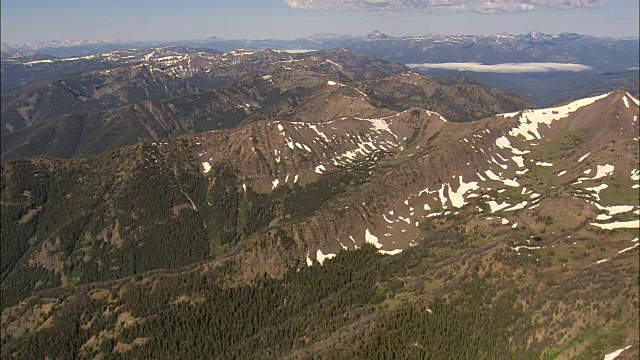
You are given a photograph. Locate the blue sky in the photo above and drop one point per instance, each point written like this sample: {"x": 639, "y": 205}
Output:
{"x": 40, "y": 20}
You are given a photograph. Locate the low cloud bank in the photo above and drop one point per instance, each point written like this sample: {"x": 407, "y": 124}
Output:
{"x": 503, "y": 68}
{"x": 298, "y": 51}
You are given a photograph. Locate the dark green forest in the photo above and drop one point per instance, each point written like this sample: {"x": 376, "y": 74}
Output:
{"x": 276, "y": 318}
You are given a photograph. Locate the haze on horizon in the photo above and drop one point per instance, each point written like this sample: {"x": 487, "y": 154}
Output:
{"x": 42, "y": 20}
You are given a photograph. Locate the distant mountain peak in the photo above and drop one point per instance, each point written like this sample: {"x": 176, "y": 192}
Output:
{"x": 569, "y": 36}
{"x": 537, "y": 36}
{"x": 375, "y": 34}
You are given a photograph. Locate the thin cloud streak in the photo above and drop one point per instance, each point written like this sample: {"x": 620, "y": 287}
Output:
{"x": 503, "y": 68}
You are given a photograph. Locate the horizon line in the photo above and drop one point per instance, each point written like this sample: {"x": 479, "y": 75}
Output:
{"x": 215, "y": 38}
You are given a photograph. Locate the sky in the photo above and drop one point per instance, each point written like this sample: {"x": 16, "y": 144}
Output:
{"x": 41, "y": 20}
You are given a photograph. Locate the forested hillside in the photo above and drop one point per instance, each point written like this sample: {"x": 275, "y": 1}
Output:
{"x": 438, "y": 300}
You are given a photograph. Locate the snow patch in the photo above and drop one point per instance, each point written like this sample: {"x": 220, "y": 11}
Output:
{"x": 504, "y": 167}
{"x": 457, "y": 197}
{"x": 517, "y": 248}
{"x": 309, "y": 261}
{"x": 380, "y": 125}
{"x": 372, "y": 239}
{"x": 631, "y": 224}
{"x": 320, "y": 133}
{"x": 615, "y": 354}
{"x": 603, "y": 217}
{"x": 584, "y": 157}
{"x": 508, "y": 182}
{"x": 405, "y": 219}
{"x": 443, "y": 199}
{"x": 322, "y": 257}
{"x": 497, "y": 207}
{"x": 290, "y": 143}
{"x": 616, "y": 209}
{"x": 519, "y": 160}
{"x": 518, "y": 206}
{"x": 624, "y": 100}
{"x": 602, "y": 171}
{"x": 597, "y": 190}
{"x": 542, "y": 163}
{"x": 504, "y": 143}
{"x": 390, "y": 252}
{"x": 627, "y": 249}
{"x": 530, "y": 120}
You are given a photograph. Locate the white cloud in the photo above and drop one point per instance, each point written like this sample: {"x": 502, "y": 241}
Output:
{"x": 445, "y": 6}
{"x": 503, "y": 68}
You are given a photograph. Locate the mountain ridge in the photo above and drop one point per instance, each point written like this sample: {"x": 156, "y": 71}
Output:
{"x": 273, "y": 155}
{"x": 157, "y": 95}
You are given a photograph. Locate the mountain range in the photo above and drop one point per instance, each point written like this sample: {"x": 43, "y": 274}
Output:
{"x": 82, "y": 106}
{"x": 601, "y": 53}
{"x": 604, "y": 64}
